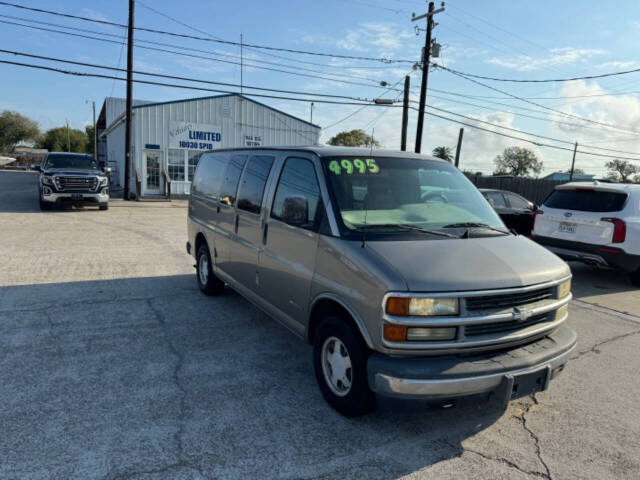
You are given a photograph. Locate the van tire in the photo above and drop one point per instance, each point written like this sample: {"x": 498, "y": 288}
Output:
{"x": 359, "y": 398}
{"x": 635, "y": 278}
{"x": 209, "y": 284}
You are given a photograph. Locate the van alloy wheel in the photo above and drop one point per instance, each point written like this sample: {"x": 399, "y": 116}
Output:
{"x": 336, "y": 366}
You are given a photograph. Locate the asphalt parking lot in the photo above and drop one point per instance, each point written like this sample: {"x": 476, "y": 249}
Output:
{"x": 113, "y": 365}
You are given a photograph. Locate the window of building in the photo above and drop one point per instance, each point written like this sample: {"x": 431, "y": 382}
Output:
{"x": 232, "y": 176}
{"x": 253, "y": 182}
{"x": 298, "y": 195}
{"x": 176, "y": 164}
{"x": 193, "y": 156}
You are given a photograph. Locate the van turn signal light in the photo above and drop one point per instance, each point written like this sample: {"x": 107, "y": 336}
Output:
{"x": 395, "y": 333}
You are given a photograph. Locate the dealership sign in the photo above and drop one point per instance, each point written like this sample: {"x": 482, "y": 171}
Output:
{"x": 194, "y": 136}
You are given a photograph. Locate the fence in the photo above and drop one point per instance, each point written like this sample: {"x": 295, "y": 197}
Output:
{"x": 533, "y": 189}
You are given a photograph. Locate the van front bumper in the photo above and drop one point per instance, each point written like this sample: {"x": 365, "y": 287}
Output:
{"x": 510, "y": 373}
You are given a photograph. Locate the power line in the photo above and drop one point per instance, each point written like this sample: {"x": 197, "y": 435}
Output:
{"x": 534, "y": 103}
{"x": 188, "y": 87}
{"x": 547, "y": 80}
{"x": 251, "y": 65}
{"x": 175, "y": 77}
{"x": 207, "y": 39}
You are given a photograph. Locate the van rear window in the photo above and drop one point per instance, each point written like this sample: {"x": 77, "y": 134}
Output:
{"x": 586, "y": 200}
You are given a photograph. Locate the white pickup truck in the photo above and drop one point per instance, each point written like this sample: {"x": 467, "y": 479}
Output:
{"x": 596, "y": 223}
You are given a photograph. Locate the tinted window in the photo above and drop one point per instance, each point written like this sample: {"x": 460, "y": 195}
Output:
{"x": 298, "y": 195}
{"x": 71, "y": 161}
{"x": 495, "y": 199}
{"x": 210, "y": 174}
{"x": 586, "y": 200}
{"x": 231, "y": 178}
{"x": 253, "y": 182}
{"x": 517, "y": 202}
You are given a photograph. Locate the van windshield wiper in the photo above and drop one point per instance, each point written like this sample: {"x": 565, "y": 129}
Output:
{"x": 475, "y": 225}
{"x": 405, "y": 226}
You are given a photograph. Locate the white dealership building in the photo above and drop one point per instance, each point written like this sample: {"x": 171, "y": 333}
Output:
{"x": 169, "y": 137}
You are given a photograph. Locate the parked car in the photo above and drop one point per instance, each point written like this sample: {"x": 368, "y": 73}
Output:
{"x": 72, "y": 178}
{"x": 515, "y": 211}
{"x": 595, "y": 223}
{"x": 391, "y": 264}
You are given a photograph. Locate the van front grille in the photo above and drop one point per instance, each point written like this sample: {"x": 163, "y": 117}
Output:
{"x": 507, "y": 300}
{"x": 506, "y": 326}
{"x": 85, "y": 184}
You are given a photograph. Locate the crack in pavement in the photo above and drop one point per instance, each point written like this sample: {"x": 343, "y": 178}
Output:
{"x": 629, "y": 317}
{"x": 595, "y": 348}
{"x": 523, "y": 420}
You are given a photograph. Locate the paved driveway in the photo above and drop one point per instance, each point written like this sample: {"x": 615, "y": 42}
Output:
{"x": 113, "y": 365}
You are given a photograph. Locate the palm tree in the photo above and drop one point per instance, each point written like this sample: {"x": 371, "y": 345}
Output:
{"x": 443, "y": 152}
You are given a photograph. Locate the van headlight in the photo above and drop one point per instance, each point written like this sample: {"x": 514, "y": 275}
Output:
{"x": 422, "y": 306}
{"x": 564, "y": 289}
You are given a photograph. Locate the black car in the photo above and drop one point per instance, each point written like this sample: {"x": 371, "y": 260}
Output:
{"x": 515, "y": 211}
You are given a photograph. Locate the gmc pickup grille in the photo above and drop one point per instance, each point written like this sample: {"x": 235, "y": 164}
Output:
{"x": 506, "y": 327}
{"x": 507, "y": 300}
{"x": 85, "y": 184}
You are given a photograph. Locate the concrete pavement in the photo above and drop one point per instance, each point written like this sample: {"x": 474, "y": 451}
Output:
{"x": 113, "y": 365}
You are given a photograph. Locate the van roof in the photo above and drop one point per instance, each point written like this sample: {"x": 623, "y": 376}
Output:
{"x": 331, "y": 151}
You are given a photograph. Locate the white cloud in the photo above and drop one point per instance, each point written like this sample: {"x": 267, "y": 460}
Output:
{"x": 383, "y": 38}
{"x": 557, "y": 56}
{"x": 94, "y": 14}
{"x": 628, "y": 65}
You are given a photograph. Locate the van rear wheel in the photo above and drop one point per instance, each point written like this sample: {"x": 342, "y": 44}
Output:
{"x": 207, "y": 281}
{"x": 340, "y": 363}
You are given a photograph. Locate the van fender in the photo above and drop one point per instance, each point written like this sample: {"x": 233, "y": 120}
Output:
{"x": 349, "y": 309}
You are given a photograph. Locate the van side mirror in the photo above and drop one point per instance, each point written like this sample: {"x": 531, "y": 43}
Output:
{"x": 36, "y": 167}
{"x": 295, "y": 211}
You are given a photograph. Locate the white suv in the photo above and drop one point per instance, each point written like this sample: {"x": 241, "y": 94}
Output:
{"x": 596, "y": 223}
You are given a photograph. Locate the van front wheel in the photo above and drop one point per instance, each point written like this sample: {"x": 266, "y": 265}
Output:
{"x": 209, "y": 284}
{"x": 340, "y": 364}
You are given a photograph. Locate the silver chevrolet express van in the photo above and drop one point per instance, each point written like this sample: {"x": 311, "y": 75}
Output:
{"x": 392, "y": 264}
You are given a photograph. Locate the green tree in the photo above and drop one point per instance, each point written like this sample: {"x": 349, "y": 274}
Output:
{"x": 517, "y": 161}
{"x": 88, "y": 131}
{"x": 354, "y": 138}
{"x": 57, "y": 140}
{"x": 621, "y": 170}
{"x": 15, "y": 128}
{"x": 443, "y": 152}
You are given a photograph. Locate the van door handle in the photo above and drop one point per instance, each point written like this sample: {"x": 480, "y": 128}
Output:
{"x": 237, "y": 220}
{"x": 264, "y": 233}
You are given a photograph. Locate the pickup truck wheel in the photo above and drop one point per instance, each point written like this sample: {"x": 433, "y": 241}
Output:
{"x": 207, "y": 281}
{"x": 340, "y": 364}
{"x": 104, "y": 207}
{"x": 45, "y": 205}
{"x": 635, "y": 278}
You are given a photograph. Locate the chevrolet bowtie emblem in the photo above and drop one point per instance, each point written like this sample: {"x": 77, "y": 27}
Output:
{"x": 521, "y": 314}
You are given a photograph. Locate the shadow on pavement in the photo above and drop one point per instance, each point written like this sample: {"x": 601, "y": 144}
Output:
{"x": 120, "y": 377}
{"x": 589, "y": 281}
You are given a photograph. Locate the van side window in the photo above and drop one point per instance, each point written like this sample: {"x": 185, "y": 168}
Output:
{"x": 253, "y": 182}
{"x": 298, "y": 195}
{"x": 210, "y": 174}
{"x": 232, "y": 176}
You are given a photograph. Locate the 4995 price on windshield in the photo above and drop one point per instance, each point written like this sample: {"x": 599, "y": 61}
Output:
{"x": 354, "y": 167}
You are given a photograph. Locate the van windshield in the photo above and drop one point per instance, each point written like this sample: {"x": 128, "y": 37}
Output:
{"x": 392, "y": 192}
{"x": 71, "y": 161}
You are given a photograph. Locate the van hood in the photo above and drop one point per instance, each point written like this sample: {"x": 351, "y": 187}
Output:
{"x": 470, "y": 264}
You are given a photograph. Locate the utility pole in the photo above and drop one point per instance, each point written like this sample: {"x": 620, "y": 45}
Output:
{"x": 459, "y": 147}
{"x": 68, "y": 136}
{"x": 425, "y": 69}
{"x": 405, "y": 114}
{"x": 241, "y": 66}
{"x": 573, "y": 161}
{"x": 311, "y": 121}
{"x": 95, "y": 134}
{"x": 127, "y": 141}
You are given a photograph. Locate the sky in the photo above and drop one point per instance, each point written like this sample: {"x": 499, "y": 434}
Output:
{"x": 503, "y": 39}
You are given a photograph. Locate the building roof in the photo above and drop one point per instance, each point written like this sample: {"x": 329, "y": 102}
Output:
{"x": 564, "y": 177}
{"x": 210, "y": 97}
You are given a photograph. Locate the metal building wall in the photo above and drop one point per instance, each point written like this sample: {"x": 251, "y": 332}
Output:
{"x": 236, "y": 116}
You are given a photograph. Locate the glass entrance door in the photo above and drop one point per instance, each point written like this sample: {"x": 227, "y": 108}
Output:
{"x": 152, "y": 172}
